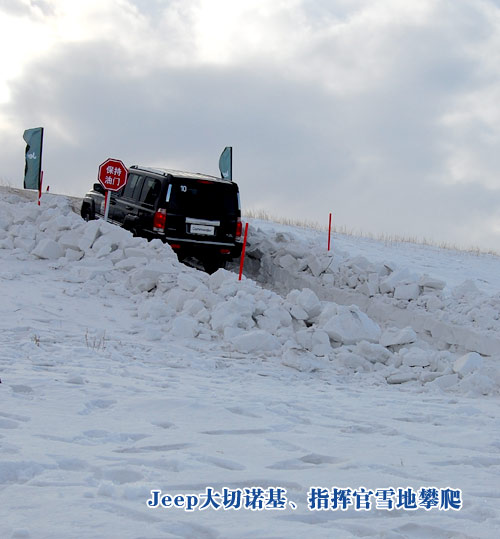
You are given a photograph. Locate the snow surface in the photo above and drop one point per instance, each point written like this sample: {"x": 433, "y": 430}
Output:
{"x": 123, "y": 371}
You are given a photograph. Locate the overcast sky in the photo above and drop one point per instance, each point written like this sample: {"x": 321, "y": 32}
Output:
{"x": 384, "y": 112}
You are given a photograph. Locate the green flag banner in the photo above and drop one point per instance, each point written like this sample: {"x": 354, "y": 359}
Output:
{"x": 226, "y": 163}
{"x": 33, "y": 168}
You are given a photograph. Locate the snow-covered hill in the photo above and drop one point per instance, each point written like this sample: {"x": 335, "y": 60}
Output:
{"x": 124, "y": 371}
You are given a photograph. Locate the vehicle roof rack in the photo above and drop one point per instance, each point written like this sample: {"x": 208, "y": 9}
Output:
{"x": 180, "y": 173}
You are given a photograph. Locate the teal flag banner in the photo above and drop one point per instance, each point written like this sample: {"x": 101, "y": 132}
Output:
{"x": 226, "y": 163}
{"x": 33, "y": 167}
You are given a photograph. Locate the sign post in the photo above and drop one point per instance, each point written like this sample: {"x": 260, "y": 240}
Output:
{"x": 112, "y": 176}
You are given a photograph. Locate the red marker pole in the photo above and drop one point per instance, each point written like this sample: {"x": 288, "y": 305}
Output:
{"x": 242, "y": 259}
{"x": 329, "y": 230}
{"x": 40, "y": 188}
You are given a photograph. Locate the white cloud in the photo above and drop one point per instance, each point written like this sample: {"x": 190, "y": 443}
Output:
{"x": 23, "y": 38}
{"x": 384, "y": 112}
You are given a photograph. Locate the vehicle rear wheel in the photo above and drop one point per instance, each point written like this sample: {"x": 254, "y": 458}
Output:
{"x": 130, "y": 224}
{"x": 211, "y": 265}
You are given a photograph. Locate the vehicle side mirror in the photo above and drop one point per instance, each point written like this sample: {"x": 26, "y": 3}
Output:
{"x": 99, "y": 188}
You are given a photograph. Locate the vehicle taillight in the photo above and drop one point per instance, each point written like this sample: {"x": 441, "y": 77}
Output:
{"x": 159, "y": 220}
{"x": 238, "y": 228}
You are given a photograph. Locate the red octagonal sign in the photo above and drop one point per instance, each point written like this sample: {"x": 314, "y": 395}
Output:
{"x": 113, "y": 174}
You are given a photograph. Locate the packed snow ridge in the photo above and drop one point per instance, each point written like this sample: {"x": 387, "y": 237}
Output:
{"x": 461, "y": 318}
{"x": 338, "y": 314}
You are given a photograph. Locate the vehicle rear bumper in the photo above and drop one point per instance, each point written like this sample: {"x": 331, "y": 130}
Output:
{"x": 186, "y": 247}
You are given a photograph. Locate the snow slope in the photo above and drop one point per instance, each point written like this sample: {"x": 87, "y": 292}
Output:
{"x": 452, "y": 304}
{"x": 124, "y": 371}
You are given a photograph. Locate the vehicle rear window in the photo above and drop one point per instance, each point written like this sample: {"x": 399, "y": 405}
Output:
{"x": 198, "y": 199}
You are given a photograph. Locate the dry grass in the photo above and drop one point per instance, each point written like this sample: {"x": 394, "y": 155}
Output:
{"x": 265, "y": 216}
{"x": 388, "y": 239}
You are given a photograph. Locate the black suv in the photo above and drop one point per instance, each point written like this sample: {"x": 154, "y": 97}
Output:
{"x": 198, "y": 215}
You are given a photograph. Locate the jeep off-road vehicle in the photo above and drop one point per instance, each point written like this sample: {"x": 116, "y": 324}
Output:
{"x": 198, "y": 215}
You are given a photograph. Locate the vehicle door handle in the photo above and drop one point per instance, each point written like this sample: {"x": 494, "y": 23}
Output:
{"x": 129, "y": 208}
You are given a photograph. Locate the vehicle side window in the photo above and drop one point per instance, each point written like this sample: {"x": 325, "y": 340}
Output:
{"x": 150, "y": 191}
{"x": 128, "y": 190}
{"x": 137, "y": 189}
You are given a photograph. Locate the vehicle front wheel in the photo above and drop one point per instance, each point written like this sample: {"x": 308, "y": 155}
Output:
{"x": 86, "y": 216}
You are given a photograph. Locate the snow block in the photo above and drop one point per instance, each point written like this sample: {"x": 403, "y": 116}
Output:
{"x": 218, "y": 278}
{"x": 402, "y": 377}
{"x": 154, "y": 308}
{"x": 145, "y": 278}
{"x": 255, "y": 341}
{"x": 429, "y": 282}
{"x": 478, "y": 383}
{"x": 25, "y": 244}
{"x": 73, "y": 255}
{"x": 48, "y": 249}
{"x": 375, "y": 353}
{"x": 232, "y": 313}
{"x": 314, "y": 340}
{"x": 131, "y": 263}
{"x": 300, "y": 360}
{"x": 396, "y": 278}
{"x": 103, "y": 243}
{"x": 445, "y": 382}
{"x": 467, "y": 364}
{"x": 62, "y": 222}
{"x": 273, "y": 319}
{"x": 371, "y": 286}
{"x": 185, "y": 327}
{"x": 433, "y": 304}
{"x": 7, "y": 243}
{"x": 352, "y": 362}
{"x": 309, "y": 301}
{"x": 350, "y": 325}
{"x": 70, "y": 240}
{"x": 466, "y": 291}
{"x": 304, "y": 338}
{"x": 193, "y": 306}
{"x": 188, "y": 281}
{"x": 415, "y": 357}
{"x": 320, "y": 343}
{"x": 396, "y": 336}
{"x": 316, "y": 265}
{"x": 407, "y": 291}
{"x": 104, "y": 251}
{"x": 298, "y": 312}
{"x": 90, "y": 233}
{"x": 176, "y": 298}
{"x": 115, "y": 235}
{"x": 137, "y": 252}
{"x": 288, "y": 262}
